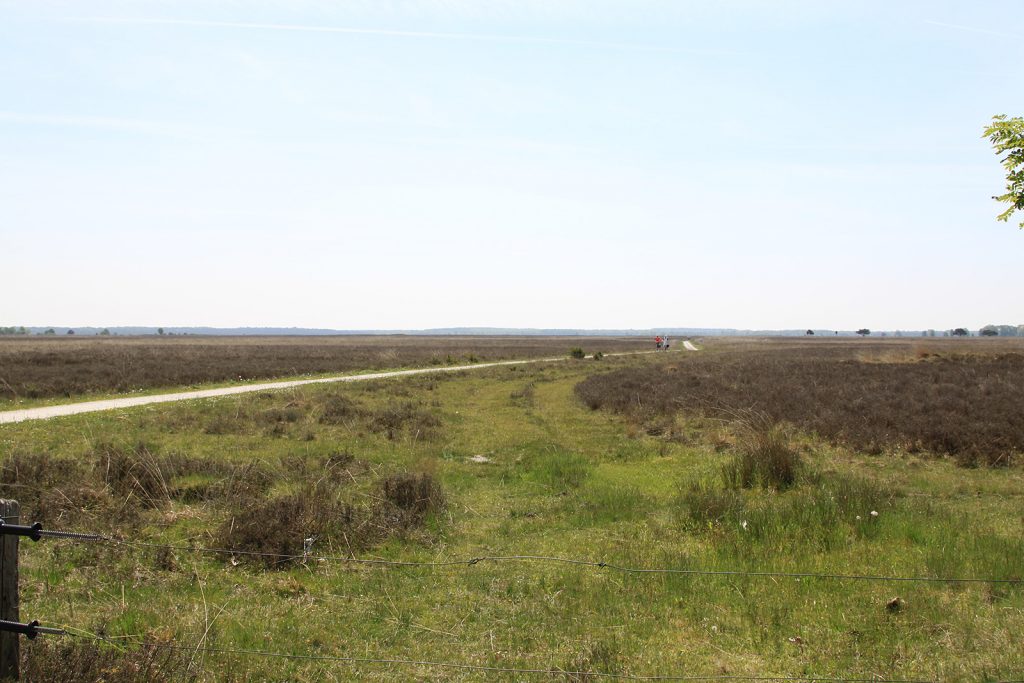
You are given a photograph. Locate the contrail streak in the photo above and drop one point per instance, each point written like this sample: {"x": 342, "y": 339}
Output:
{"x": 482, "y": 37}
{"x": 974, "y": 29}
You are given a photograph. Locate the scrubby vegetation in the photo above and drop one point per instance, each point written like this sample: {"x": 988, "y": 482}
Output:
{"x": 956, "y": 399}
{"x": 40, "y": 367}
{"x": 74, "y": 661}
{"x": 279, "y": 531}
{"x": 505, "y": 462}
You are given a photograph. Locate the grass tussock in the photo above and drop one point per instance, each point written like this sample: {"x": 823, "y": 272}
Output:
{"x": 764, "y": 456}
{"x": 769, "y": 494}
{"x": 558, "y": 470}
{"x": 595, "y": 661}
{"x": 526, "y": 394}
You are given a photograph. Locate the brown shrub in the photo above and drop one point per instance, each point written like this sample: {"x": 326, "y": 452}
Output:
{"x": 413, "y": 494}
{"x": 113, "y": 484}
{"x": 80, "y": 661}
{"x": 395, "y": 418}
{"x": 50, "y": 490}
{"x": 339, "y": 409}
{"x": 154, "y": 479}
{"x": 280, "y": 526}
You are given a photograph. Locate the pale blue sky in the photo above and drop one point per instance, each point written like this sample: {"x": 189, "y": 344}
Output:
{"x": 533, "y": 163}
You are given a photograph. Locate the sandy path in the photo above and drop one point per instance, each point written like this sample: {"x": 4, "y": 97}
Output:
{"x": 689, "y": 347}
{"x": 47, "y": 412}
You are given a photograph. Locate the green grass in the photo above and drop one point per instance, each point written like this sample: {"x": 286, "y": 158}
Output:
{"x": 555, "y": 479}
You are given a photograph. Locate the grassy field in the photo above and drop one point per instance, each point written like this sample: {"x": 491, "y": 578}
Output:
{"x": 36, "y": 368}
{"x": 510, "y": 461}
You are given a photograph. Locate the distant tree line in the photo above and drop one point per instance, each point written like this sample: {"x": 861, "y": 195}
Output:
{"x": 1003, "y": 331}
{"x": 8, "y": 331}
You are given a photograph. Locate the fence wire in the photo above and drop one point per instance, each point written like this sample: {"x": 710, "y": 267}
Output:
{"x": 550, "y": 559}
{"x": 483, "y": 668}
{"x": 121, "y": 642}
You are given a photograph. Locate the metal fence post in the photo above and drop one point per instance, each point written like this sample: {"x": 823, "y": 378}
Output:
{"x": 10, "y": 511}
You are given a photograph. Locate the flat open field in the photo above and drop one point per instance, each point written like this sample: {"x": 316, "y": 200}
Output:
{"x": 43, "y": 367}
{"x": 537, "y": 460}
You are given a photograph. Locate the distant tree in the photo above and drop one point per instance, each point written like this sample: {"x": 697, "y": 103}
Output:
{"x": 49, "y": 330}
{"x": 104, "y": 332}
{"x": 810, "y": 333}
{"x": 159, "y": 330}
{"x": 71, "y": 332}
{"x": 1007, "y": 136}
{"x": 961, "y": 332}
{"x": 863, "y": 331}
{"x": 1006, "y": 330}
{"x": 989, "y": 332}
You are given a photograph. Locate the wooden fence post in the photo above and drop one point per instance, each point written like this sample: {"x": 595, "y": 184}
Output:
{"x": 10, "y": 511}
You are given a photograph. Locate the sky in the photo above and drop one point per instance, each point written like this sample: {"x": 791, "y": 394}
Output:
{"x": 390, "y": 164}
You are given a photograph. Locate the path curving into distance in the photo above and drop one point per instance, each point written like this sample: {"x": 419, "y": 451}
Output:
{"x": 47, "y": 412}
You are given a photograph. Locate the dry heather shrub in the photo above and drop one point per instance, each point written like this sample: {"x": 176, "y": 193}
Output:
{"x": 278, "y": 526}
{"x": 339, "y": 409}
{"x": 765, "y": 457}
{"x": 78, "y": 661}
{"x": 407, "y": 416}
{"x": 151, "y": 478}
{"x": 49, "y": 489}
{"x": 339, "y": 468}
{"x": 413, "y": 494}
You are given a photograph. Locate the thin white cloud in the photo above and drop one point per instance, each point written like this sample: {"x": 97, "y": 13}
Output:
{"x": 122, "y": 125}
{"x": 83, "y": 121}
{"x": 974, "y": 29}
{"x": 482, "y": 37}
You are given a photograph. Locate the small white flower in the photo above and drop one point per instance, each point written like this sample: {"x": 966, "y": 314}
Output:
{"x": 744, "y": 524}
{"x": 874, "y": 513}
{"x": 858, "y": 518}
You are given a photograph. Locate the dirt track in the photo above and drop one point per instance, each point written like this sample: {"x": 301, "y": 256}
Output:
{"x": 47, "y": 412}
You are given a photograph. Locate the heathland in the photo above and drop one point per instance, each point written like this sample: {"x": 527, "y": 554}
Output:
{"x": 817, "y": 458}
{"x": 47, "y": 367}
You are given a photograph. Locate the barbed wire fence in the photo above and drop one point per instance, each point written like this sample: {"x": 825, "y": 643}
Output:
{"x": 10, "y": 627}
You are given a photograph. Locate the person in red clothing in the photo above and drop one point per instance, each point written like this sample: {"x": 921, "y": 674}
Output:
{"x": 657, "y": 341}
